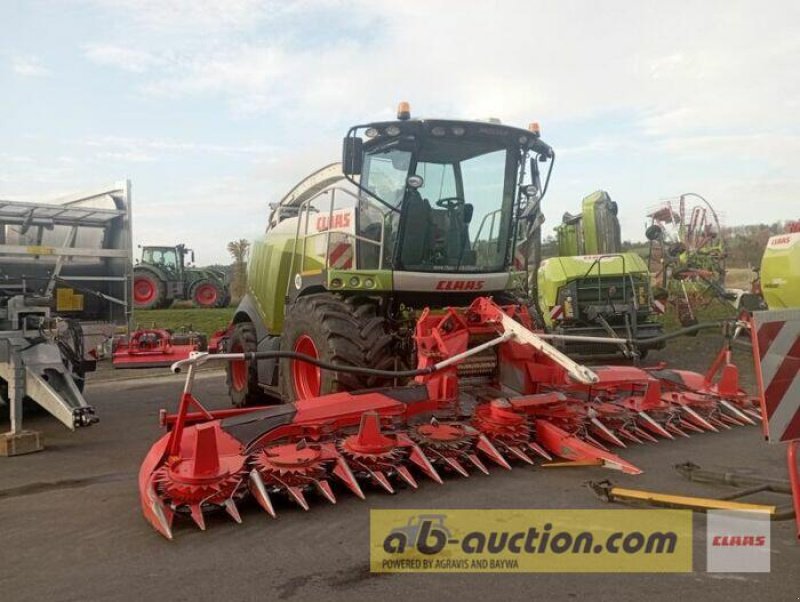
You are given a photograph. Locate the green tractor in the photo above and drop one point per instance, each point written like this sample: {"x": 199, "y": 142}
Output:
{"x": 419, "y": 213}
{"x": 592, "y": 289}
{"x": 163, "y": 276}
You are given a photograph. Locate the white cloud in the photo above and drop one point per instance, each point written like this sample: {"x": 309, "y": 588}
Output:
{"x": 721, "y": 65}
{"x": 121, "y": 144}
{"x": 129, "y": 59}
{"x": 206, "y": 16}
{"x": 128, "y": 156}
{"x": 709, "y": 91}
{"x": 29, "y": 66}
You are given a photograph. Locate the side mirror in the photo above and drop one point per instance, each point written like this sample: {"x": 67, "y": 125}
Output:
{"x": 469, "y": 211}
{"x": 352, "y": 155}
{"x": 192, "y": 256}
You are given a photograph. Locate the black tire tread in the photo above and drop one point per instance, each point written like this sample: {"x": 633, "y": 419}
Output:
{"x": 244, "y": 336}
{"x": 353, "y": 333}
{"x": 223, "y": 297}
{"x": 160, "y": 290}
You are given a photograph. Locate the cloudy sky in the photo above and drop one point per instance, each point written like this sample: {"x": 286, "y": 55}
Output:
{"x": 213, "y": 109}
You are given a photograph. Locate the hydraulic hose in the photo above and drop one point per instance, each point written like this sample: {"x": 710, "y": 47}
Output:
{"x": 292, "y": 355}
{"x": 678, "y": 333}
{"x": 257, "y": 355}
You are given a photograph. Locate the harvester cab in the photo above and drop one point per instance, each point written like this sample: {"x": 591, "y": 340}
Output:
{"x": 592, "y": 289}
{"x": 164, "y": 275}
{"x": 445, "y": 197}
{"x": 420, "y": 213}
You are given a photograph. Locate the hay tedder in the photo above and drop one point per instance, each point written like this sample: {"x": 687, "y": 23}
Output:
{"x": 687, "y": 254}
{"x": 535, "y": 402}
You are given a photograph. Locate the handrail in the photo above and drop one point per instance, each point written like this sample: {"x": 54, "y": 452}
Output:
{"x": 625, "y": 276}
{"x": 303, "y": 213}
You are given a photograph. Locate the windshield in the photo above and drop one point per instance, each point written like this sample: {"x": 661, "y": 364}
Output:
{"x": 164, "y": 257}
{"x": 459, "y": 218}
{"x": 385, "y": 175}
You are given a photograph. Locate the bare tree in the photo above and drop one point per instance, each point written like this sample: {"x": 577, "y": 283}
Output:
{"x": 239, "y": 250}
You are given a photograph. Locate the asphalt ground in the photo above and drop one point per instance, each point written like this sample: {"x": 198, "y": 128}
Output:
{"x": 71, "y": 528}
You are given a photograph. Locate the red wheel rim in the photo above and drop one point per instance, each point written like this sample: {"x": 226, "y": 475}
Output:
{"x": 239, "y": 369}
{"x": 206, "y": 294}
{"x": 143, "y": 290}
{"x": 307, "y": 378}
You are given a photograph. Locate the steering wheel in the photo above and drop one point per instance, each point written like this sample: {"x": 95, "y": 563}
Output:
{"x": 450, "y": 202}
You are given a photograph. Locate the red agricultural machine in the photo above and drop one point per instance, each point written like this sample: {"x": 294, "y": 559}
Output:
{"x": 532, "y": 402}
{"x": 687, "y": 254}
{"x": 155, "y": 347}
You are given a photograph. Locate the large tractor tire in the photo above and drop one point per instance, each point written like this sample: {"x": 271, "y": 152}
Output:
{"x": 207, "y": 293}
{"x": 242, "y": 376}
{"x": 148, "y": 290}
{"x": 346, "y": 332}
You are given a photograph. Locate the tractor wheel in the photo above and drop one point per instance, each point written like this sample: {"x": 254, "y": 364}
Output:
{"x": 347, "y": 332}
{"x": 207, "y": 293}
{"x": 242, "y": 376}
{"x": 148, "y": 291}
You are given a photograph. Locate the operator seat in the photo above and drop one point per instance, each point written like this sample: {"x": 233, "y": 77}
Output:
{"x": 415, "y": 229}
{"x": 459, "y": 250}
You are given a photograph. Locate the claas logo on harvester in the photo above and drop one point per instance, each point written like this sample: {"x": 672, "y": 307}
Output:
{"x": 336, "y": 221}
{"x": 460, "y": 285}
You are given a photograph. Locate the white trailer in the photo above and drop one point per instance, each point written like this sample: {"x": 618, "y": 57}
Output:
{"x": 65, "y": 286}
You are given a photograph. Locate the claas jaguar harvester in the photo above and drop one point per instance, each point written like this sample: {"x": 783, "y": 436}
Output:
{"x": 420, "y": 213}
{"x": 592, "y": 288}
{"x": 392, "y": 318}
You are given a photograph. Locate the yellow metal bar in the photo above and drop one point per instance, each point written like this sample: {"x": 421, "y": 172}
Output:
{"x": 683, "y": 501}
{"x": 572, "y": 464}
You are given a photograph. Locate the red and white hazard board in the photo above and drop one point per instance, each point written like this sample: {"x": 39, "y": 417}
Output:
{"x": 341, "y": 256}
{"x": 776, "y": 346}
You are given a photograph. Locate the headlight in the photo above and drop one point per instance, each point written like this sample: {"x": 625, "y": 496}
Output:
{"x": 458, "y": 130}
{"x": 371, "y": 133}
{"x": 438, "y": 131}
{"x": 393, "y": 130}
{"x": 369, "y": 282}
{"x": 354, "y": 282}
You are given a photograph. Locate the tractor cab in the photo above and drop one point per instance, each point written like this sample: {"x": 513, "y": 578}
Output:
{"x": 443, "y": 196}
{"x": 170, "y": 259}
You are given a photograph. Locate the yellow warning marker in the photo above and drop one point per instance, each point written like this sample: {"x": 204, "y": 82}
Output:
{"x": 612, "y": 494}
{"x": 572, "y": 464}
